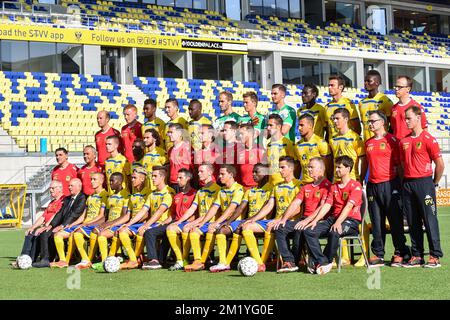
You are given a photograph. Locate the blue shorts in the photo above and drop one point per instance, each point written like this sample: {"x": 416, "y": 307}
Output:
{"x": 181, "y": 225}
{"x": 234, "y": 225}
{"x": 134, "y": 227}
{"x": 263, "y": 224}
{"x": 204, "y": 228}
{"x": 88, "y": 230}
{"x": 71, "y": 229}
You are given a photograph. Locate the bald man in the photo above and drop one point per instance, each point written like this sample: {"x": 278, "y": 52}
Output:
{"x": 72, "y": 208}
{"x": 105, "y": 131}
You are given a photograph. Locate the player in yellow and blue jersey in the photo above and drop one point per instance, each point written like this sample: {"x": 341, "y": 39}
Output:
{"x": 116, "y": 207}
{"x": 116, "y": 162}
{"x": 93, "y": 215}
{"x": 277, "y": 147}
{"x": 152, "y": 121}
{"x": 153, "y": 213}
{"x": 310, "y": 106}
{"x": 226, "y": 202}
{"x": 347, "y": 143}
{"x": 154, "y": 156}
{"x": 336, "y": 85}
{"x": 253, "y": 201}
{"x": 281, "y": 197}
{"x": 127, "y": 225}
{"x": 196, "y": 122}
{"x": 203, "y": 201}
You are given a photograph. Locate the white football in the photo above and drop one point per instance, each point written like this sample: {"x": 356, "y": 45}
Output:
{"x": 24, "y": 261}
{"x": 111, "y": 264}
{"x": 248, "y": 266}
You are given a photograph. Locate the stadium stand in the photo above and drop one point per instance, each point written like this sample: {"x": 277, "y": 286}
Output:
{"x": 63, "y": 107}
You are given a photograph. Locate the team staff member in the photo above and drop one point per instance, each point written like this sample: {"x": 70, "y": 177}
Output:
{"x": 347, "y": 142}
{"x": 310, "y": 106}
{"x": 384, "y": 190}
{"x": 403, "y": 87}
{"x": 345, "y": 198}
{"x": 130, "y": 131}
{"x": 374, "y": 101}
{"x": 311, "y": 146}
{"x": 287, "y": 113}
{"x": 152, "y": 121}
{"x": 312, "y": 196}
{"x": 89, "y": 155}
{"x": 417, "y": 152}
{"x": 105, "y": 131}
{"x": 336, "y": 85}
{"x": 209, "y": 153}
{"x": 64, "y": 171}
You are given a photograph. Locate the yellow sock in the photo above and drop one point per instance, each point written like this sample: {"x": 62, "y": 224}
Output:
{"x": 269, "y": 243}
{"x": 70, "y": 248}
{"x": 175, "y": 243}
{"x": 115, "y": 244}
{"x": 126, "y": 242}
{"x": 79, "y": 242}
{"x": 195, "y": 244}
{"x": 103, "y": 247}
{"x": 92, "y": 245}
{"x": 234, "y": 247}
{"x": 59, "y": 243}
{"x": 221, "y": 240}
{"x": 252, "y": 245}
{"x": 186, "y": 246}
{"x": 209, "y": 246}
{"x": 139, "y": 248}
{"x": 345, "y": 255}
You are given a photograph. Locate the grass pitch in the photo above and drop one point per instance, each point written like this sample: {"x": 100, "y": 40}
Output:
{"x": 351, "y": 283}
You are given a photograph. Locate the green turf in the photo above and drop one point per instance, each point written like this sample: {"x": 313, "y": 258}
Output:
{"x": 351, "y": 283}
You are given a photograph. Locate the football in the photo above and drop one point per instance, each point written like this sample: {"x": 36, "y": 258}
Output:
{"x": 248, "y": 266}
{"x": 111, "y": 264}
{"x": 24, "y": 262}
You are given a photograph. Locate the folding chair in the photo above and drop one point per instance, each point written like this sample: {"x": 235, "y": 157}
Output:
{"x": 358, "y": 238}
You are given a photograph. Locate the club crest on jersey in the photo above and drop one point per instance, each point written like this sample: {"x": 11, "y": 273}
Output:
{"x": 185, "y": 200}
{"x": 307, "y": 194}
{"x": 67, "y": 178}
{"x": 345, "y": 195}
{"x": 383, "y": 146}
{"x": 418, "y": 145}
{"x": 317, "y": 194}
{"x": 304, "y": 157}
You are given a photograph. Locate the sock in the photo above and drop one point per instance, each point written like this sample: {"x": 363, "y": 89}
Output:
{"x": 195, "y": 243}
{"x": 208, "y": 247}
{"x": 186, "y": 246}
{"x": 234, "y": 247}
{"x": 92, "y": 245}
{"x": 269, "y": 243}
{"x": 59, "y": 243}
{"x": 103, "y": 247}
{"x": 70, "y": 248}
{"x": 115, "y": 244}
{"x": 345, "y": 255}
{"x": 252, "y": 245}
{"x": 175, "y": 243}
{"x": 139, "y": 245}
{"x": 79, "y": 242}
{"x": 221, "y": 240}
{"x": 126, "y": 242}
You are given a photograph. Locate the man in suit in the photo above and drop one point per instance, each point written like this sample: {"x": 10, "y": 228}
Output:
{"x": 73, "y": 207}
